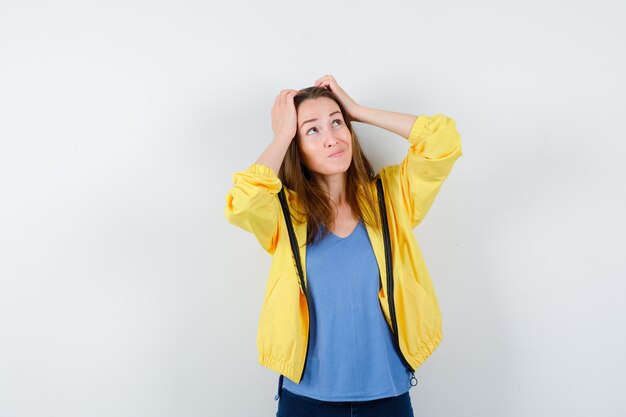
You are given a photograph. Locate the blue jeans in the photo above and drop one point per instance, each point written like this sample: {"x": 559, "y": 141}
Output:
{"x": 293, "y": 405}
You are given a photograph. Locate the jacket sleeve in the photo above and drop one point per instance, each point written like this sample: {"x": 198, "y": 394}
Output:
{"x": 252, "y": 204}
{"x": 414, "y": 184}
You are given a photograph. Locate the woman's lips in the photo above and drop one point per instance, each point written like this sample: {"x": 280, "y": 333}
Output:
{"x": 338, "y": 153}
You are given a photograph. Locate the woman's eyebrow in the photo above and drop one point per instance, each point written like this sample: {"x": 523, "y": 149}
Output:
{"x": 312, "y": 120}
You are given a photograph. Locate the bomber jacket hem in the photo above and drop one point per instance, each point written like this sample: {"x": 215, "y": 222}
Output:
{"x": 282, "y": 367}
{"x": 426, "y": 349}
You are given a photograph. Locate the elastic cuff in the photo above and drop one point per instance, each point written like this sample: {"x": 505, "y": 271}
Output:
{"x": 261, "y": 170}
{"x": 419, "y": 130}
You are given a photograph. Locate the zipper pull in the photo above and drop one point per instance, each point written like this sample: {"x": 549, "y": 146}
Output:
{"x": 413, "y": 379}
{"x": 280, "y": 385}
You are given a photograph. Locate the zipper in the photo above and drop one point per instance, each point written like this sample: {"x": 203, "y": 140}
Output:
{"x": 308, "y": 336}
{"x": 412, "y": 380}
{"x": 394, "y": 322}
{"x": 296, "y": 255}
{"x": 396, "y": 338}
{"x": 306, "y": 355}
{"x": 390, "y": 292}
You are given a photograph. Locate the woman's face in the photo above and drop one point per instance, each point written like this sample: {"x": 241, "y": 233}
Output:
{"x": 324, "y": 139}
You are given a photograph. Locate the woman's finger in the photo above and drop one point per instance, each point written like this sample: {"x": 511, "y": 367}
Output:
{"x": 286, "y": 92}
{"x": 284, "y": 96}
{"x": 327, "y": 76}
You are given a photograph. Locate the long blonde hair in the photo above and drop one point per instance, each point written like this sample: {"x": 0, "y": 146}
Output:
{"x": 312, "y": 198}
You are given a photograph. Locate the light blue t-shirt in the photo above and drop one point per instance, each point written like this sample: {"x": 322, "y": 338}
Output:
{"x": 351, "y": 355}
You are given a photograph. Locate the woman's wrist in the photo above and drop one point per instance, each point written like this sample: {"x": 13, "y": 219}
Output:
{"x": 365, "y": 115}
{"x": 357, "y": 113}
{"x": 282, "y": 140}
{"x": 395, "y": 122}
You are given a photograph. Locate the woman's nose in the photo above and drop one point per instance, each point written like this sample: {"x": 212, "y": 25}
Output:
{"x": 330, "y": 138}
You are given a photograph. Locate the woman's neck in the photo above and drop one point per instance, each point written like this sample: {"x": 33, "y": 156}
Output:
{"x": 335, "y": 185}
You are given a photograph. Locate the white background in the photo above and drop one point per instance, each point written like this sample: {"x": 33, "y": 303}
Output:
{"x": 125, "y": 292}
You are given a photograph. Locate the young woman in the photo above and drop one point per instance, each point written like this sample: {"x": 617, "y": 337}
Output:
{"x": 347, "y": 332}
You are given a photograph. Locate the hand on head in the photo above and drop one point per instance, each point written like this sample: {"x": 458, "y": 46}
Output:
{"x": 329, "y": 82}
{"x": 284, "y": 117}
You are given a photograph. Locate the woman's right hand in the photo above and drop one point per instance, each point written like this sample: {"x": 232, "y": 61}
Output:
{"x": 351, "y": 106}
{"x": 284, "y": 116}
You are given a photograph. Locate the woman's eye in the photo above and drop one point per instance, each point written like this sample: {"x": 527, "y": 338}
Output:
{"x": 308, "y": 132}
{"x": 336, "y": 121}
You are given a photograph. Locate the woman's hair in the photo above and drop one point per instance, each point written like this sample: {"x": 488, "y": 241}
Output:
{"x": 312, "y": 198}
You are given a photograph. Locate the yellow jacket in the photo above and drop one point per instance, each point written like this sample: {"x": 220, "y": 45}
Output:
{"x": 410, "y": 189}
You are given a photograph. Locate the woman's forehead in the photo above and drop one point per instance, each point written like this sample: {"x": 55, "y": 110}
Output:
{"x": 316, "y": 108}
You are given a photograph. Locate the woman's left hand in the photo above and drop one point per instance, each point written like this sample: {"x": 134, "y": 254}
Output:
{"x": 351, "y": 106}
